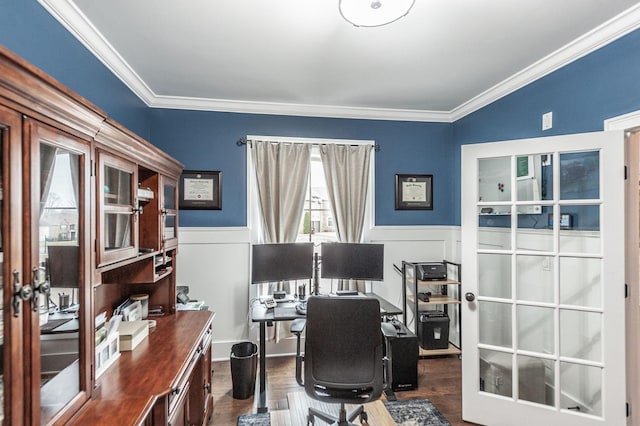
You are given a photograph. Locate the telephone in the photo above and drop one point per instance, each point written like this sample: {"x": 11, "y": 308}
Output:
{"x": 270, "y": 302}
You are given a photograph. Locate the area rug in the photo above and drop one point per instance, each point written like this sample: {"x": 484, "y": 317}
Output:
{"x": 419, "y": 412}
{"x": 260, "y": 419}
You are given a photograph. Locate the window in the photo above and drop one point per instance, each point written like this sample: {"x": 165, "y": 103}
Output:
{"x": 59, "y": 216}
{"x": 317, "y": 223}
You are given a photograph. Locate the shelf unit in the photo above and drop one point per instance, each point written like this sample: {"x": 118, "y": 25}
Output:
{"x": 445, "y": 296}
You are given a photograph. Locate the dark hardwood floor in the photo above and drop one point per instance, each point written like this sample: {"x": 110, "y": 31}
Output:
{"x": 439, "y": 380}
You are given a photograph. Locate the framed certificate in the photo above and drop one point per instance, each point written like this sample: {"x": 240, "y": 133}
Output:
{"x": 200, "y": 190}
{"x": 414, "y": 192}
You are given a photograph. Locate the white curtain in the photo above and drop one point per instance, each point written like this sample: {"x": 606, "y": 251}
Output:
{"x": 346, "y": 169}
{"x": 282, "y": 174}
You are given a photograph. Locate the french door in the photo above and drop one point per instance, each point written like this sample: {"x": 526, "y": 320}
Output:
{"x": 543, "y": 296}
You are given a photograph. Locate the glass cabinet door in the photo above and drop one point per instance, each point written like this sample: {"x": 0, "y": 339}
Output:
{"x": 169, "y": 213}
{"x": 12, "y": 380}
{"x": 58, "y": 272}
{"x": 118, "y": 210}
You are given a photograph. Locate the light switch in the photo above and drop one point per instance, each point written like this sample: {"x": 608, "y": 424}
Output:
{"x": 547, "y": 120}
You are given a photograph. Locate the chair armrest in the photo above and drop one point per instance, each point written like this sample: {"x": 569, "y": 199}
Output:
{"x": 298, "y": 325}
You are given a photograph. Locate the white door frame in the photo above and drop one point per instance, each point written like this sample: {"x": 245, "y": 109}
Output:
{"x": 627, "y": 122}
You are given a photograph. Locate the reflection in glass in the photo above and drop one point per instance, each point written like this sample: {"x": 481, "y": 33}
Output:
{"x": 496, "y": 372}
{"x": 581, "y": 388}
{"x": 580, "y": 175}
{"x": 534, "y": 275}
{"x": 535, "y": 329}
{"x": 580, "y": 218}
{"x": 494, "y": 179}
{"x": 169, "y": 230}
{"x": 494, "y": 275}
{"x": 581, "y": 335}
{"x": 529, "y": 181}
{"x": 494, "y": 230}
{"x": 546, "y": 177}
{"x": 581, "y": 281}
{"x": 533, "y": 376}
{"x": 117, "y": 229}
{"x": 117, "y": 186}
{"x": 495, "y": 323}
{"x": 60, "y": 258}
{"x": 533, "y": 233}
{"x": 169, "y": 197}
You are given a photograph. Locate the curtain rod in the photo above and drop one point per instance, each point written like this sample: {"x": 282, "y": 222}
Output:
{"x": 245, "y": 141}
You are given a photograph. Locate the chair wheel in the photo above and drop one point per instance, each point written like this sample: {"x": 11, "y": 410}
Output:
{"x": 310, "y": 420}
{"x": 364, "y": 417}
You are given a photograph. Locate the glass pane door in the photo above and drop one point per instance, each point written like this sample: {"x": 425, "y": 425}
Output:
{"x": 57, "y": 271}
{"x": 118, "y": 204}
{"x": 118, "y": 213}
{"x": 60, "y": 267}
{"x": 169, "y": 213}
{"x": 547, "y": 288}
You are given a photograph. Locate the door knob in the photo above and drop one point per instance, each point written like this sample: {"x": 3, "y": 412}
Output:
{"x": 470, "y": 297}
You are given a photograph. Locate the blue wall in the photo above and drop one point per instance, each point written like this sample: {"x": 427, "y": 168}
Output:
{"x": 581, "y": 95}
{"x": 207, "y": 141}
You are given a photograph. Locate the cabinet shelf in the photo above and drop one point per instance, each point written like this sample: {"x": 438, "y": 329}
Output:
{"x": 434, "y": 300}
{"x": 143, "y": 271}
{"x": 451, "y": 350}
{"x": 439, "y": 282}
{"x": 445, "y": 296}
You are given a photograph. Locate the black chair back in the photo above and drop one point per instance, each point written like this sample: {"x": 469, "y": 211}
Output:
{"x": 343, "y": 349}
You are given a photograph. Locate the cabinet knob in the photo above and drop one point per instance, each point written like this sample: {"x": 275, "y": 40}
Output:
{"x": 20, "y": 293}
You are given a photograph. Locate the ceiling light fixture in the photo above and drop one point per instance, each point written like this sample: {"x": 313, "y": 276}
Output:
{"x": 374, "y": 13}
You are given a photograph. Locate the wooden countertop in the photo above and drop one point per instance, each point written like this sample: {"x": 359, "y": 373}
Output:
{"x": 128, "y": 390}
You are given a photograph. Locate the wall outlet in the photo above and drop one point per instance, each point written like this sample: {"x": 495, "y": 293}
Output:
{"x": 547, "y": 120}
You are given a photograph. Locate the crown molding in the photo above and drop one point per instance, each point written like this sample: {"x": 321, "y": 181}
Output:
{"x": 80, "y": 27}
{"x": 629, "y": 121}
{"x": 306, "y": 110}
{"x": 600, "y": 36}
{"x": 76, "y": 22}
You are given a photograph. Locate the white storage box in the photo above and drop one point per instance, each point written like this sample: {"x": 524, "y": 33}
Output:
{"x": 132, "y": 333}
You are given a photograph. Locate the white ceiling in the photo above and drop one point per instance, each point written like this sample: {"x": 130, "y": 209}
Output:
{"x": 444, "y": 60}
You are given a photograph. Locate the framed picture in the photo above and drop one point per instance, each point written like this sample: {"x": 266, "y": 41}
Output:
{"x": 200, "y": 190}
{"x": 414, "y": 192}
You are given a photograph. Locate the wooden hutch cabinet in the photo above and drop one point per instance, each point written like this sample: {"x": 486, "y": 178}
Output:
{"x": 89, "y": 218}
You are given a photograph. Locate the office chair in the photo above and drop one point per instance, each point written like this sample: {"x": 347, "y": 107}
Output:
{"x": 343, "y": 357}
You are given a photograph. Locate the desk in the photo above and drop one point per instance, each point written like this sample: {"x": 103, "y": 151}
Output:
{"x": 147, "y": 385}
{"x": 264, "y": 316}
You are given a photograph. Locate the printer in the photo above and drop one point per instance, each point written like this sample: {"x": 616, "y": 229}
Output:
{"x": 436, "y": 271}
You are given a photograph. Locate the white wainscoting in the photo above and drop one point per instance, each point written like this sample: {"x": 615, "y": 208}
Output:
{"x": 214, "y": 263}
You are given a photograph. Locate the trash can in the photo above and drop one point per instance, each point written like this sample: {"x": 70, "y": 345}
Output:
{"x": 244, "y": 363}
